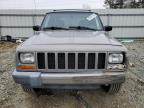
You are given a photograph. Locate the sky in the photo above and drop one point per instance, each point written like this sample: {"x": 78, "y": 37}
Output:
{"x": 51, "y": 4}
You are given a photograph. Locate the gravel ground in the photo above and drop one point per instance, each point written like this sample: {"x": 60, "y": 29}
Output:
{"x": 130, "y": 96}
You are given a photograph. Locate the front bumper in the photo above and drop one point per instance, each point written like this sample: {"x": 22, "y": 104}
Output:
{"x": 46, "y": 80}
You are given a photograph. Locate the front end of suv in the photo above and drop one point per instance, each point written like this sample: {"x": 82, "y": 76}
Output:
{"x": 82, "y": 59}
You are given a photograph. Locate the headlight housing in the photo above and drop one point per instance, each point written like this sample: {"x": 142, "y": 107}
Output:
{"x": 115, "y": 58}
{"x": 27, "y": 58}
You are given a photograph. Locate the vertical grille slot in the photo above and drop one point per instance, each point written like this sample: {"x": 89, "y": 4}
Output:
{"x": 41, "y": 60}
{"x": 51, "y": 60}
{"x": 61, "y": 60}
{"x": 101, "y": 60}
{"x": 81, "y": 60}
{"x": 91, "y": 60}
{"x": 71, "y": 61}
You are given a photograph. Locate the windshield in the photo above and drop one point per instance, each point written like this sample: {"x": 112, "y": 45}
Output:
{"x": 72, "y": 20}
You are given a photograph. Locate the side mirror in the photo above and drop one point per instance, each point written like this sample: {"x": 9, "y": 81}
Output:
{"x": 36, "y": 28}
{"x": 108, "y": 28}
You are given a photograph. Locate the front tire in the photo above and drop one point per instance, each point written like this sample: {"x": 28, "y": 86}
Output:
{"x": 112, "y": 88}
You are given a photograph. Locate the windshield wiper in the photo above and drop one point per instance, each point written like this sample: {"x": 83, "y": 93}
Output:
{"x": 82, "y": 28}
{"x": 54, "y": 28}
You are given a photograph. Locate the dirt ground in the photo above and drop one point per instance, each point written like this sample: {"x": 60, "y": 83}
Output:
{"x": 130, "y": 96}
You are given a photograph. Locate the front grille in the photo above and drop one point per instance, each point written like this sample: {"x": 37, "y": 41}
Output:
{"x": 53, "y": 61}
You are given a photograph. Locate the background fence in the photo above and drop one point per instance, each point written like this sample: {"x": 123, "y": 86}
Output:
{"x": 127, "y": 23}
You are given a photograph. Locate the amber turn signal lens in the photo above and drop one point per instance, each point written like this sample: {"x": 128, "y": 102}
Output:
{"x": 26, "y": 67}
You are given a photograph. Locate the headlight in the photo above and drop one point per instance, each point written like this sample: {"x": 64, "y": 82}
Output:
{"x": 115, "y": 58}
{"x": 27, "y": 58}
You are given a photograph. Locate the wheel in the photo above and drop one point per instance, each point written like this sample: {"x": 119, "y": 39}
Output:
{"x": 112, "y": 88}
{"x": 27, "y": 89}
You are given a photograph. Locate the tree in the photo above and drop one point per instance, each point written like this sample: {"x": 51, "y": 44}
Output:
{"x": 124, "y": 3}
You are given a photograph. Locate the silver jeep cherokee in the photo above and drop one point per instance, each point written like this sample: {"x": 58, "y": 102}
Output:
{"x": 71, "y": 50}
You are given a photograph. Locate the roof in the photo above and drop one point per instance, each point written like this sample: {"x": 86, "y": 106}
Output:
{"x": 70, "y": 10}
{"x": 81, "y": 10}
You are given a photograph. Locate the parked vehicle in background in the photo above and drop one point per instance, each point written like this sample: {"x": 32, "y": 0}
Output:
{"x": 71, "y": 51}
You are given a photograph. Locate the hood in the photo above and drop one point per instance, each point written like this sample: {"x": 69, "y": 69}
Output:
{"x": 71, "y": 37}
